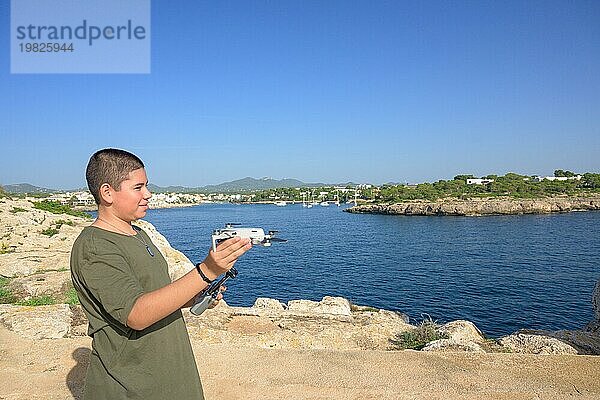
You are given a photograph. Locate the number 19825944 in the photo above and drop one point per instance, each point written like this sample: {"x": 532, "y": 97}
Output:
{"x": 46, "y": 47}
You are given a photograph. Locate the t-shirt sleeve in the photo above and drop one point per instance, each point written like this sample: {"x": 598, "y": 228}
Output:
{"x": 110, "y": 280}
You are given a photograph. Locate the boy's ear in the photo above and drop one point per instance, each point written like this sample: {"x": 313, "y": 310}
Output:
{"x": 105, "y": 192}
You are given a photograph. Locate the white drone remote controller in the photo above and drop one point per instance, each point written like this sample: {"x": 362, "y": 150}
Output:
{"x": 256, "y": 235}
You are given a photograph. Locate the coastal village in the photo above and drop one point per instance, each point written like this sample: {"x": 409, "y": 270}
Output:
{"x": 308, "y": 196}
{"x": 83, "y": 199}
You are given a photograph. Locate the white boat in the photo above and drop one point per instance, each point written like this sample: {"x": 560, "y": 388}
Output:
{"x": 280, "y": 203}
{"x": 304, "y": 204}
{"x": 325, "y": 204}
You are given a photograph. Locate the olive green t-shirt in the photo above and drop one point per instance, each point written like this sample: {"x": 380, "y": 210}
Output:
{"x": 110, "y": 271}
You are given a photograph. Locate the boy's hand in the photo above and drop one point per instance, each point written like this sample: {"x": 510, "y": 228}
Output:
{"x": 222, "y": 260}
{"x": 219, "y": 296}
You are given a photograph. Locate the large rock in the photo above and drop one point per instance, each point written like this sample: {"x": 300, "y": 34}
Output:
{"x": 266, "y": 304}
{"x": 328, "y": 305}
{"x": 41, "y": 322}
{"x": 53, "y": 284}
{"x": 462, "y": 331}
{"x": 583, "y": 341}
{"x": 450, "y": 345}
{"x": 536, "y": 344}
{"x": 594, "y": 326}
{"x": 459, "y": 335}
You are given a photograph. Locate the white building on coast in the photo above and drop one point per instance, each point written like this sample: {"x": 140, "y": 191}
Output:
{"x": 76, "y": 199}
{"x": 478, "y": 181}
{"x": 557, "y": 178}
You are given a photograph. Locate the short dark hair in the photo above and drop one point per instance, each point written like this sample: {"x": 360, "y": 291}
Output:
{"x": 110, "y": 166}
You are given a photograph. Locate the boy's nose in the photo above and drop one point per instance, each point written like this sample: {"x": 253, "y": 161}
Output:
{"x": 147, "y": 194}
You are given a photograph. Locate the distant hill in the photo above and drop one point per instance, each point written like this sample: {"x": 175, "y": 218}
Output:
{"x": 21, "y": 188}
{"x": 249, "y": 184}
{"x": 241, "y": 185}
{"x": 171, "y": 189}
{"x": 245, "y": 184}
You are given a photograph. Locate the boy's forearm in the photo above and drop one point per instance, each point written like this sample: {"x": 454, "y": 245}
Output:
{"x": 158, "y": 304}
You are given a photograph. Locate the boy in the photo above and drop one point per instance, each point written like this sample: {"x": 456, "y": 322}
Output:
{"x": 140, "y": 346}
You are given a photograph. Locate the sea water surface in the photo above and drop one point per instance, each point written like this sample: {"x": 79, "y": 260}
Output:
{"x": 503, "y": 273}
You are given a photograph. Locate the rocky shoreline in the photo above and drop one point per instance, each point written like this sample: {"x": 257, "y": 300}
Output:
{"x": 35, "y": 265}
{"x": 478, "y": 207}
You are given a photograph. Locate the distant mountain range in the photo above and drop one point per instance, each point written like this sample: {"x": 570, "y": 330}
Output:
{"x": 250, "y": 184}
{"x": 21, "y": 188}
{"x": 247, "y": 184}
{"x": 241, "y": 185}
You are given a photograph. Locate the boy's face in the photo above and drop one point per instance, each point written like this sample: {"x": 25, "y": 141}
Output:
{"x": 131, "y": 201}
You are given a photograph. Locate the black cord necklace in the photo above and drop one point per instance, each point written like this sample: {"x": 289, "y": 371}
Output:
{"x": 140, "y": 239}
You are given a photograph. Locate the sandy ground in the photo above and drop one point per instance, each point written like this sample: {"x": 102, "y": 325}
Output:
{"x": 55, "y": 369}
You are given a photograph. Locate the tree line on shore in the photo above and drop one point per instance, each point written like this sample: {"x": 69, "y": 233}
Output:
{"x": 509, "y": 185}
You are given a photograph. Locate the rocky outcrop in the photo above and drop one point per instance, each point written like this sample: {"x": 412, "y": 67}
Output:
{"x": 451, "y": 345}
{"x": 462, "y": 331}
{"x": 328, "y": 306}
{"x": 536, "y": 344}
{"x": 331, "y": 323}
{"x": 54, "y": 284}
{"x": 35, "y": 247}
{"x": 272, "y": 324}
{"x": 41, "y": 322}
{"x": 33, "y": 240}
{"x": 472, "y": 207}
{"x": 582, "y": 341}
{"x": 458, "y": 336}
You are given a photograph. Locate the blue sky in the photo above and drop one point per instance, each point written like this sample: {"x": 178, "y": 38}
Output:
{"x": 323, "y": 91}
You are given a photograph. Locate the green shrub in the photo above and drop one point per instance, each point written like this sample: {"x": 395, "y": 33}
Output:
{"x": 62, "y": 222}
{"x": 56, "y": 208}
{"x": 53, "y": 230}
{"x": 427, "y": 331}
{"x": 49, "y": 232}
{"x": 17, "y": 209}
{"x": 6, "y": 297}
{"x": 5, "y": 248}
{"x": 38, "y": 301}
{"x": 71, "y": 296}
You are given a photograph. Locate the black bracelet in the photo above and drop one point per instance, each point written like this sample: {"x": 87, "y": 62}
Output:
{"x": 204, "y": 277}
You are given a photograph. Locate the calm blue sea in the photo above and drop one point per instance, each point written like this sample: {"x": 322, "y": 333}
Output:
{"x": 501, "y": 272}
